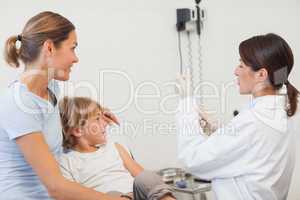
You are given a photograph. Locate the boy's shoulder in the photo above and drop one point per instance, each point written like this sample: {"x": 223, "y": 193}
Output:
{"x": 67, "y": 155}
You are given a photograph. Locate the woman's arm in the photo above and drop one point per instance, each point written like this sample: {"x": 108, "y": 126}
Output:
{"x": 38, "y": 155}
{"x": 131, "y": 165}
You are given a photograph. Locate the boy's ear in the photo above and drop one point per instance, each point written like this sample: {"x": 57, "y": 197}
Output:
{"x": 77, "y": 132}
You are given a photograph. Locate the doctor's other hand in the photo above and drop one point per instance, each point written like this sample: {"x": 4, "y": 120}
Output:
{"x": 183, "y": 85}
{"x": 207, "y": 123}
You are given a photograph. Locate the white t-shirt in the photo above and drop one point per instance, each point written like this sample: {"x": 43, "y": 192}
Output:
{"x": 102, "y": 170}
{"x": 21, "y": 113}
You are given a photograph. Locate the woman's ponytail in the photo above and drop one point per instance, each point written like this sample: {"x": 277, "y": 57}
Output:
{"x": 11, "y": 53}
{"x": 41, "y": 27}
{"x": 292, "y": 93}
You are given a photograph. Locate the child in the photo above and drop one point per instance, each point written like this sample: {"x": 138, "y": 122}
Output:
{"x": 94, "y": 162}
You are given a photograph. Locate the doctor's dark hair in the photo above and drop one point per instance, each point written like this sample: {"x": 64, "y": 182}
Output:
{"x": 41, "y": 27}
{"x": 273, "y": 53}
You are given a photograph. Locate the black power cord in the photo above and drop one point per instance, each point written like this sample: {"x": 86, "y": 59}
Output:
{"x": 198, "y": 22}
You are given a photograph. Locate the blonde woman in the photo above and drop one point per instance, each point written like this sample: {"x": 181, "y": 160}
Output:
{"x": 30, "y": 129}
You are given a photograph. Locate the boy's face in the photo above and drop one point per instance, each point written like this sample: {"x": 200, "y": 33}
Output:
{"x": 94, "y": 129}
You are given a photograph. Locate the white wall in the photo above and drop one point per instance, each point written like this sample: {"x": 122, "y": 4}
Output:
{"x": 138, "y": 38}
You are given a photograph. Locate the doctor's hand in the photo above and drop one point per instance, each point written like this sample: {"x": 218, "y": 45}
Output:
{"x": 184, "y": 84}
{"x": 207, "y": 123}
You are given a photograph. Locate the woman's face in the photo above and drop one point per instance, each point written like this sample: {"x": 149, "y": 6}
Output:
{"x": 63, "y": 58}
{"x": 245, "y": 78}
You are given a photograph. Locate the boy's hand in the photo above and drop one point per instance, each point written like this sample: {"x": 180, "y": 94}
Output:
{"x": 128, "y": 196}
{"x": 110, "y": 117}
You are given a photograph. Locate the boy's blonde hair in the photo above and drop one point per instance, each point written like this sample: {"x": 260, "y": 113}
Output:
{"x": 74, "y": 112}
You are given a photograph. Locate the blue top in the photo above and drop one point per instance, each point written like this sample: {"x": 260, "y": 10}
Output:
{"x": 21, "y": 113}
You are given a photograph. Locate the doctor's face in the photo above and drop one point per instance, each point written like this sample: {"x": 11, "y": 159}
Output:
{"x": 245, "y": 78}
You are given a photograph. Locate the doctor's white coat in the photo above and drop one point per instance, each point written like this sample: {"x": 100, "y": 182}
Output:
{"x": 252, "y": 157}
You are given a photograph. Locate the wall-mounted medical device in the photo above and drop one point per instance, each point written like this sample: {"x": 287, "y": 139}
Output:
{"x": 190, "y": 19}
{"x": 189, "y": 25}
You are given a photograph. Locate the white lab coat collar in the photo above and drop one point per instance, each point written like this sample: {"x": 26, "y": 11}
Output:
{"x": 271, "y": 110}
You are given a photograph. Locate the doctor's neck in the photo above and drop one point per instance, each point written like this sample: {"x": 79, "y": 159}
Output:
{"x": 263, "y": 90}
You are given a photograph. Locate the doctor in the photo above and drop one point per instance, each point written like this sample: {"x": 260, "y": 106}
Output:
{"x": 253, "y": 156}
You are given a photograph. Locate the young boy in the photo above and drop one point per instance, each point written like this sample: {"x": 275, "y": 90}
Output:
{"x": 94, "y": 162}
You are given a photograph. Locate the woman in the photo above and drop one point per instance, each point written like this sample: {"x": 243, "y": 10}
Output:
{"x": 30, "y": 129}
{"x": 253, "y": 156}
